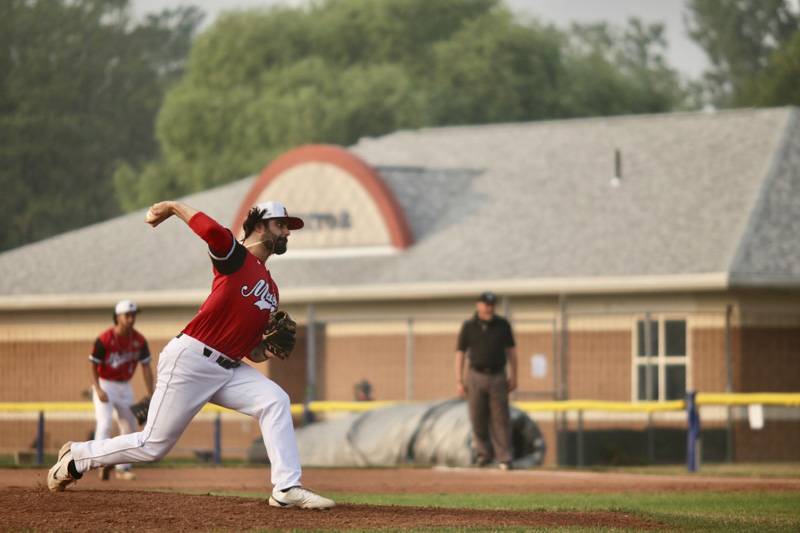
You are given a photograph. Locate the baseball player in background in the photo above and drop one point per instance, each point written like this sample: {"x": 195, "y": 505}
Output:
{"x": 204, "y": 362}
{"x": 114, "y": 357}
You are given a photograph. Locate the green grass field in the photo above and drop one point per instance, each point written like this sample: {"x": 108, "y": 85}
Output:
{"x": 752, "y": 470}
{"x": 686, "y": 511}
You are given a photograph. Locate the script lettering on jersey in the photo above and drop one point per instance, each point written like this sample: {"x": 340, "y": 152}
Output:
{"x": 264, "y": 298}
{"x": 117, "y": 359}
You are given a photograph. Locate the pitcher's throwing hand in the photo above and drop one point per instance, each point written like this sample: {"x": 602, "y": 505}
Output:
{"x": 158, "y": 213}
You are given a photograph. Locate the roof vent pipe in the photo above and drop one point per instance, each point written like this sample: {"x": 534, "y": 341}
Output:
{"x": 616, "y": 181}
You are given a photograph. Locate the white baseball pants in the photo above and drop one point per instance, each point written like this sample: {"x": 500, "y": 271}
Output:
{"x": 120, "y": 398}
{"x": 186, "y": 381}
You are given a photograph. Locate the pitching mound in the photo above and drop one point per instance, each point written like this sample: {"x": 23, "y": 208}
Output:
{"x": 37, "y": 509}
{"x": 118, "y": 505}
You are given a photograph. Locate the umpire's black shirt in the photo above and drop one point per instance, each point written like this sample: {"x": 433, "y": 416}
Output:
{"x": 487, "y": 342}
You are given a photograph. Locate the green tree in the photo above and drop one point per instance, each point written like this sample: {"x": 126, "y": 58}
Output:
{"x": 263, "y": 81}
{"x": 739, "y": 38}
{"x": 778, "y": 84}
{"x": 614, "y": 70}
{"x": 211, "y": 137}
{"x": 496, "y": 70}
{"x": 80, "y": 85}
{"x": 348, "y": 32}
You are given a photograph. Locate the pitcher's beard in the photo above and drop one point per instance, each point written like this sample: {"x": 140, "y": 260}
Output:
{"x": 275, "y": 245}
{"x": 279, "y": 246}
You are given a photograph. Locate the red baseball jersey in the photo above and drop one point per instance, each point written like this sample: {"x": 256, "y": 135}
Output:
{"x": 243, "y": 294}
{"x": 116, "y": 356}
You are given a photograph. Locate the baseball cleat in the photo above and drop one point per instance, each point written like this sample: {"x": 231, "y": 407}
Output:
{"x": 299, "y": 497}
{"x": 104, "y": 473}
{"x": 58, "y": 478}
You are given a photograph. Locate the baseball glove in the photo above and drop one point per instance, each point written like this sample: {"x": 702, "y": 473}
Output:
{"x": 140, "y": 408}
{"x": 281, "y": 335}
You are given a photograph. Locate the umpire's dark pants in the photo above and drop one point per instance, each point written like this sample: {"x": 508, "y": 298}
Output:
{"x": 487, "y": 397}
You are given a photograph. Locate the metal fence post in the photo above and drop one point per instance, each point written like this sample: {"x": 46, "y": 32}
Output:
{"x": 692, "y": 433}
{"x": 554, "y": 369}
{"x": 563, "y": 370}
{"x": 507, "y": 314}
{"x": 311, "y": 363}
{"x": 648, "y": 380}
{"x": 648, "y": 340}
{"x": 218, "y": 439}
{"x": 40, "y": 439}
{"x": 728, "y": 383}
{"x": 410, "y": 359}
{"x": 580, "y": 439}
{"x": 562, "y": 428}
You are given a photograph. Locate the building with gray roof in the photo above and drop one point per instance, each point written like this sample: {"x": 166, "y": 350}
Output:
{"x": 702, "y": 200}
{"x": 588, "y": 229}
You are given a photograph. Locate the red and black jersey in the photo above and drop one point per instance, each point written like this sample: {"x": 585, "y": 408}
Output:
{"x": 243, "y": 294}
{"x": 116, "y": 356}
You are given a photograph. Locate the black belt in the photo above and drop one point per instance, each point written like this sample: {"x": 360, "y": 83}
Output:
{"x": 488, "y": 369}
{"x": 224, "y": 362}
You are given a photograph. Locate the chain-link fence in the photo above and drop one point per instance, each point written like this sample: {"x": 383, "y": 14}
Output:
{"x": 634, "y": 356}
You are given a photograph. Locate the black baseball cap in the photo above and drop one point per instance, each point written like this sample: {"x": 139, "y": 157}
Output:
{"x": 488, "y": 297}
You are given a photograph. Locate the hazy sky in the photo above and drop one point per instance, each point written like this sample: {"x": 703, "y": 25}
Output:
{"x": 683, "y": 53}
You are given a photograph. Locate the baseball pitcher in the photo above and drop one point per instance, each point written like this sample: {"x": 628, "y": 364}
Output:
{"x": 203, "y": 363}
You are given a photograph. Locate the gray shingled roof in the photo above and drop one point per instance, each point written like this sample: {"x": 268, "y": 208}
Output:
{"x": 700, "y": 193}
{"x": 121, "y": 254}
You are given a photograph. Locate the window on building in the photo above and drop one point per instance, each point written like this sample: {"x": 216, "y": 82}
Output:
{"x": 660, "y": 362}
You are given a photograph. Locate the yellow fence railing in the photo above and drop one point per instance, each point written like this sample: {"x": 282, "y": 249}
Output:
{"x": 787, "y": 399}
{"x": 598, "y": 405}
{"x": 34, "y": 410}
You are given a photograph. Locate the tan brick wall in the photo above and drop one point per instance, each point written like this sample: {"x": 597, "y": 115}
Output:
{"x": 599, "y": 365}
{"x": 45, "y": 371}
{"x": 346, "y": 360}
{"x": 708, "y": 359}
{"x": 769, "y": 359}
{"x": 434, "y": 376}
{"x": 530, "y": 387}
{"x": 60, "y": 370}
{"x": 434, "y": 367}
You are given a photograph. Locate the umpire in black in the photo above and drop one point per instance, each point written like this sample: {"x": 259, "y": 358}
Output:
{"x": 488, "y": 342}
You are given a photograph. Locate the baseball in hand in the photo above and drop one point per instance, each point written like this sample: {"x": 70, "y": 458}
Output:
{"x": 157, "y": 213}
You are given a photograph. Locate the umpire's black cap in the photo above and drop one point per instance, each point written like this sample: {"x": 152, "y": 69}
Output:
{"x": 488, "y": 297}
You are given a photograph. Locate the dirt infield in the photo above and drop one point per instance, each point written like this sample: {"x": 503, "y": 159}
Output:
{"x": 117, "y": 505}
{"x": 146, "y": 511}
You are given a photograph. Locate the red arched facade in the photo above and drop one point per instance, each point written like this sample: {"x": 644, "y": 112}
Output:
{"x": 324, "y": 153}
